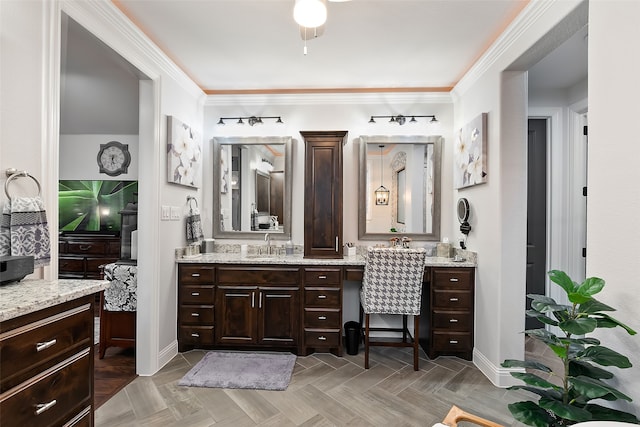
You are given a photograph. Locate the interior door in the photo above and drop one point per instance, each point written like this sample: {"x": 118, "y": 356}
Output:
{"x": 536, "y": 213}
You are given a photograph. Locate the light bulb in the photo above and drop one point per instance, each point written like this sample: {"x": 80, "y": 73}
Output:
{"x": 310, "y": 13}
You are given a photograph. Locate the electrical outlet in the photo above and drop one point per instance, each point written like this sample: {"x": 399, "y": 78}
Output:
{"x": 165, "y": 213}
{"x": 175, "y": 213}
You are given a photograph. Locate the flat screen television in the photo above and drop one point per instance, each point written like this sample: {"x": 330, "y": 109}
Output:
{"x": 93, "y": 206}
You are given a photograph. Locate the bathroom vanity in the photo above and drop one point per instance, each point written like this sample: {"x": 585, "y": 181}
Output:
{"x": 295, "y": 303}
{"x": 46, "y": 352}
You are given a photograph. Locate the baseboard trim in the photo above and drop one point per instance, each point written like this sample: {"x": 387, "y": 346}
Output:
{"x": 499, "y": 376}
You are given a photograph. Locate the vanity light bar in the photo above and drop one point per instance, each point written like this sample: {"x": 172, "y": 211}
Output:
{"x": 252, "y": 120}
{"x": 400, "y": 119}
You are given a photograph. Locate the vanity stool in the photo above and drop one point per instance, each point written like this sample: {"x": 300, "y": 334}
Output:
{"x": 118, "y": 307}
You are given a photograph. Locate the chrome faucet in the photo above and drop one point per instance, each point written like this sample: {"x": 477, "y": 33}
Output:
{"x": 267, "y": 238}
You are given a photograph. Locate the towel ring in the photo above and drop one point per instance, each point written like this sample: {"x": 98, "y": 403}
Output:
{"x": 190, "y": 199}
{"x": 13, "y": 174}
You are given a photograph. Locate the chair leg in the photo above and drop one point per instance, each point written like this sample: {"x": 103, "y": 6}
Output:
{"x": 404, "y": 328}
{"x": 416, "y": 347}
{"x": 366, "y": 341}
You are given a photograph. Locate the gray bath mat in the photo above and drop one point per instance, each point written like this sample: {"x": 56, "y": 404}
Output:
{"x": 258, "y": 371}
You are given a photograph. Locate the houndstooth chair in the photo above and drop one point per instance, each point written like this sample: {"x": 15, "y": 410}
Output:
{"x": 392, "y": 284}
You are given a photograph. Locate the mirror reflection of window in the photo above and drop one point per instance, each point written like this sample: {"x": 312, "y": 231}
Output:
{"x": 401, "y": 176}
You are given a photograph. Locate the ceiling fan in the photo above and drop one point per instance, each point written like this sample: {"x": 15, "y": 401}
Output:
{"x": 311, "y": 15}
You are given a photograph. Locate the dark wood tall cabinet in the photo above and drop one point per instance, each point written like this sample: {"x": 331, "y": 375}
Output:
{"x": 323, "y": 193}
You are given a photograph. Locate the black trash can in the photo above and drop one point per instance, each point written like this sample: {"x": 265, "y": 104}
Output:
{"x": 352, "y": 335}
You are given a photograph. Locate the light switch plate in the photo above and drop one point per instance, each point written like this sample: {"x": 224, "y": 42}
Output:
{"x": 175, "y": 213}
{"x": 165, "y": 213}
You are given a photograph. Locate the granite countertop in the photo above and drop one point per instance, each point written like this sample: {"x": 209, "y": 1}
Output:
{"x": 27, "y": 296}
{"x": 298, "y": 259}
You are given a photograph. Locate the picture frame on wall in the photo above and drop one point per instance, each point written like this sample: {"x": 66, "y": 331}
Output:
{"x": 184, "y": 154}
{"x": 470, "y": 153}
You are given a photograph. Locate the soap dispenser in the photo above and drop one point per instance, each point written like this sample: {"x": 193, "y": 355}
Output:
{"x": 288, "y": 248}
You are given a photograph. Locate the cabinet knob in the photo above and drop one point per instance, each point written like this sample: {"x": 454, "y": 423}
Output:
{"x": 453, "y": 342}
{"x": 322, "y": 338}
{"x": 453, "y": 299}
{"x": 84, "y": 247}
{"x": 195, "y": 274}
{"x": 322, "y": 317}
{"x": 44, "y": 345}
{"x": 453, "y": 320}
{"x": 322, "y": 296}
{"x": 43, "y": 407}
{"x": 195, "y": 294}
{"x": 195, "y": 314}
{"x": 453, "y": 279}
{"x": 322, "y": 276}
{"x": 195, "y": 335}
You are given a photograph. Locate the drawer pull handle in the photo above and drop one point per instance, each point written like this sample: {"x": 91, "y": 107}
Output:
{"x": 45, "y": 345}
{"x": 453, "y": 342}
{"x": 195, "y": 335}
{"x": 83, "y": 248}
{"x": 453, "y": 320}
{"x": 195, "y": 274}
{"x": 322, "y": 317}
{"x": 453, "y": 299}
{"x": 322, "y": 338}
{"x": 453, "y": 279}
{"x": 195, "y": 314}
{"x": 43, "y": 407}
{"x": 195, "y": 294}
{"x": 322, "y": 276}
{"x": 322, "y": 296}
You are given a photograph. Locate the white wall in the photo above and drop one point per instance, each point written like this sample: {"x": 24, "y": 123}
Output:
{"x": 612, "y": 238}
{"x": 78, "y": 156}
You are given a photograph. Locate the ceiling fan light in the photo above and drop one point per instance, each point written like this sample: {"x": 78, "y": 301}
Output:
{"x": 310, "y": 13}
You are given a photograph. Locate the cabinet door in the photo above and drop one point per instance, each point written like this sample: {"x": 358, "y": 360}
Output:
{"x": 323, "y": 194}
{"x": 235, "y": 314}
{"x": 279, "y": 316}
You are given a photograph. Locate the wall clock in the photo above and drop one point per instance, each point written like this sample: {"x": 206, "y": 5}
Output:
{"x": 114, "y": 158}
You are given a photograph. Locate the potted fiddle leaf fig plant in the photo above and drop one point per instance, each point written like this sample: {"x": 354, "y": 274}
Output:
{"x": 565, "y": 398}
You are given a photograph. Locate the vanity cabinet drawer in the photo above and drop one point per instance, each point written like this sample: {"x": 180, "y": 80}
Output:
{"x": 453, "y": 278}
{"x": 197, "y": 294}
{"x": 49, "y": 397}
{"x": 452, "y": 342}
{"x": 452, "y": 320}
{"x": 321, "y": 337}
{"x": 89, "y": 248}
{"x": 322, "y": 317}
{"x": 196, "y": 314}
{"x": 196, "y": 336}
{"x": 322, "y": 276}
{"x": 322, "y": 297}
{"x": 71, "y": 265}
{"x": 452, "y": 299}
{"x": 32, "y": 346}
{"x": 196, "y": 274}
{"x": 258, "y": 276}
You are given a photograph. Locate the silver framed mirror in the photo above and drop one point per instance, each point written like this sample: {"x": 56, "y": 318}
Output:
{"x": 252, "y": 179}
{"x": 411, "y": 165}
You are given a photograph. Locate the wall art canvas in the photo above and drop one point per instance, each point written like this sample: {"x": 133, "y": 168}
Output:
{"x": 470, "y": 154}
{"x": 184, "y": 154}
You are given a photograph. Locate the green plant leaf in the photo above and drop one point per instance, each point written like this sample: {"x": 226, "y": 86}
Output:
{"x": 594, "y": 388}
{"x": 584, "y": 340}
{"x": 601, "y": 413}
{"x": 609, "y": 322}
{"x": 577, "y": 298}
{"x": 565, "y": 411}
{"x": 534, "y": 380}
{"x": 561, "y": 278}
{"x": 605, "y": 357}
{"x": 544, "y": 304}
{"x": 594, "y": 306}
{"x": 541, "y": 317}
{"x": 591, "y": 286}
{"x": 543, "y": 335}
{"x": 527, "y": 364}
{"x": 531, "y": 414}
{"x": 579, "y": 326}
{"x": 582, "y": 368}
{"x": 542, "y": 392}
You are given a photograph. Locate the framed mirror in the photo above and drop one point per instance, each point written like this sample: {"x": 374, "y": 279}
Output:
{"x": 252, "y": 187}
{"x": 410, "y": 167}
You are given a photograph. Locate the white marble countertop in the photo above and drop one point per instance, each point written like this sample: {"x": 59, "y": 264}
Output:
{"x": 298, "y": 259}
{"x": 27, "y": 296}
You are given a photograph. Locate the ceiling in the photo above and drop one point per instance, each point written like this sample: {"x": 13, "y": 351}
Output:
{"x": 255, "y": 45}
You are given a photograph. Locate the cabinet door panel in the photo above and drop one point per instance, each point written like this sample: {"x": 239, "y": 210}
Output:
{"x": 235, "y": 315}
{"x": 279, "y": 320}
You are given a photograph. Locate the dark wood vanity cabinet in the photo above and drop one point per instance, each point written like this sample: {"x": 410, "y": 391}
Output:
{"x": 46, "y": 366}
{"x": 81, "y": 255}
{"x": 451, "y": 312}
{"x": 258, "y": 306}
{"x": 323, "y": 194}
{"x": 196, "y": 320}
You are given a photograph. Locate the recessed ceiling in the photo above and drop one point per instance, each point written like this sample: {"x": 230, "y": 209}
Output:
{"x": 255, "y": 45}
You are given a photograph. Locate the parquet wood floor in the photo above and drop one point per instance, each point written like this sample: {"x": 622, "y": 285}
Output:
{"x": 324, "y": 391}
{"x": 113, "y": 373}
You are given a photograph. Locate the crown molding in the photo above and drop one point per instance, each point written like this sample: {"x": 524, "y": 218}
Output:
{"x": 527, "y": 18}
{"x": 103, "y": 17}
{"x": 329, "y": 99}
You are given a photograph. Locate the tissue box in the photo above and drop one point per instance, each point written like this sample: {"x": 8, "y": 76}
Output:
{"x": 349, "y": 250}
